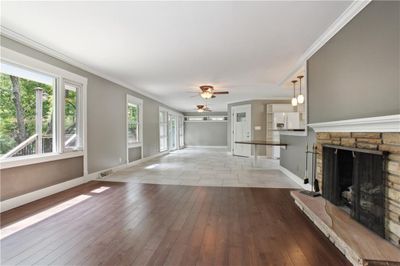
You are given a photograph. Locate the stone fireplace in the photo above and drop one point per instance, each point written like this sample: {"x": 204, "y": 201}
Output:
{"x": 360, "y": 171}
{"x": 355, "y": 180}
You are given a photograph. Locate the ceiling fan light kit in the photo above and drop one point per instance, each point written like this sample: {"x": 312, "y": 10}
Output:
{"x": 207, "y": 92}
{"x": 206, "y": 95}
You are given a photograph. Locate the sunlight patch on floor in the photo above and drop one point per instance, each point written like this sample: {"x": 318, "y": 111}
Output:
{"x": 99, "y": 190}
{"x": 18, "y": 226}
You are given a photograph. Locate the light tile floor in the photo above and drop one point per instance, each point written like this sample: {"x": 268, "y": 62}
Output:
{"x": 205, "y": 167}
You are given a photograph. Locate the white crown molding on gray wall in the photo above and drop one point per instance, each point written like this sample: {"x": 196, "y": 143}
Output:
{"x": 354, "y": 8}
{"x": 350, "y": 12}
{"x": 51, "y": 52}
{"x": 389, "y": 123}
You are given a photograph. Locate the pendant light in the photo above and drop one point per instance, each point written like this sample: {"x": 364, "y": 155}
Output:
{"x": 294, "y": 99}
{"x": 300, "y": 97}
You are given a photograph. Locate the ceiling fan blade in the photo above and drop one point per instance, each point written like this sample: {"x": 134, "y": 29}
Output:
{"x": 221, "y": 92}
{"x": 213, "y": 96}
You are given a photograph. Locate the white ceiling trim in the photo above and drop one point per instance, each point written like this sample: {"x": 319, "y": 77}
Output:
{"x": 44, "y": 49}
{"x": 350, "y": 12}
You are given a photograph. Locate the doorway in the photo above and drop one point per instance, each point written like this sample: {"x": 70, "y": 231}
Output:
{"x": 241, "y": 130}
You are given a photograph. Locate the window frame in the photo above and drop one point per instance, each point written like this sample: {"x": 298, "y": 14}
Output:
{"x": 79, "y": 94}
{"x": 33, "y": 64}
{"x": 132, "y": 100}
{"x": 177, "y": 140}
{"x": 165, "y": 124}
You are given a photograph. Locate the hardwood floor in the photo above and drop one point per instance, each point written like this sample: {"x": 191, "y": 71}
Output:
{"x": 147, "y": 224}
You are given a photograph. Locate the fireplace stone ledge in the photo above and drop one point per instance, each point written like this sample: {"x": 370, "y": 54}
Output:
{"x": 360, "y": 245}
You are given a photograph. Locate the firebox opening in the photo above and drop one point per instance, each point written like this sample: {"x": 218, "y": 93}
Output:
{"x": 354, "y": 179}
{"x": 345, "y": 180}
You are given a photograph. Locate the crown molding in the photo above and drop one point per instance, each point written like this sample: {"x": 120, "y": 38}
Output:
{"x": 66, "y": 59}
{"x": 350, "y": 12}
{"x": 389, "y": 123}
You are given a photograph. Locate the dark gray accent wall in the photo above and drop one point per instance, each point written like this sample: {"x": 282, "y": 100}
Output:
{"x": 106, "y": 114}
{"x": 205, "y": 133}
{"x": 24, "y": 179}
{"x": 356, "y": 73}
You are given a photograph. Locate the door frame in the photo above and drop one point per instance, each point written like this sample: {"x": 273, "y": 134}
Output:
{"x": 233, "y": 111}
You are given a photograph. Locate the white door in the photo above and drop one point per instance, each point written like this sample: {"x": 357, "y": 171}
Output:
{"x": 241, "y": 129}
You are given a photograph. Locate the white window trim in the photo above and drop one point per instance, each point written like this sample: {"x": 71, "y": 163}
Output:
{"x": 130, "y": 99}
{"x": 28, "y": 62}
{"x": 166, "y": 129}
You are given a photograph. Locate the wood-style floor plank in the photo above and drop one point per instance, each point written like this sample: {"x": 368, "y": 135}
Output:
{"x": 143, "y": 224}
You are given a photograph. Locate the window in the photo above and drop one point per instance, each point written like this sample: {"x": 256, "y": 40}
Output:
{"x": 72, "y": 117}
{"x": 196, "y": 118}
{"x": 217, "y": 118}
{"x": 163, "y": 131}
{"x": 133, "y": 123}
{"x": 41, "y": 114}
{"x": 134, "y": 116}
{"x": 27, "y": 108}
{"x": 181, "y": 133}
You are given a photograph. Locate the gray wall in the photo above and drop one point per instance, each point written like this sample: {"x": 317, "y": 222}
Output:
{"x": 294, "y": 157}
{"x": 106, "y": 121}
{"x": 24, "y": 179}
{"x": 134, "y": 154}
{"x": 258, "y": 118}
{"x": 356, "y": 73}
{"x": 106, "y": 114}
{"x": 205, "y": 133}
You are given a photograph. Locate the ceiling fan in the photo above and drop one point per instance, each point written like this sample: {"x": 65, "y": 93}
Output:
{"x": 202, "y": 108}
{"x": 208, "y": 92}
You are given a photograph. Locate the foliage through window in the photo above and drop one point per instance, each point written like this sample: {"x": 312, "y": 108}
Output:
{"x": 71, "y": 117}
{"x": 26, "y": 112}
{"x": 133, "y": 123}
{"x": 31, "y": 108}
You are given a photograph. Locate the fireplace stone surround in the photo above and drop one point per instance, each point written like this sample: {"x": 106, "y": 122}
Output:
{"x": 387, "y": 142}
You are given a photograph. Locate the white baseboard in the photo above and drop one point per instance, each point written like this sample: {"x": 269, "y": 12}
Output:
{"x": 147, "y": 158}
{"x": 47, "y": 191}
{"x": 41, "y": 193}
{"x": 295, "y": 178}
{"x": 95, "y": 175}
{"x": 215, "y": 147}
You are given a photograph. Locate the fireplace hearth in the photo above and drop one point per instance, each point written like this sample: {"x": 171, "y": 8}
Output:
{"x": 355, "y": 179}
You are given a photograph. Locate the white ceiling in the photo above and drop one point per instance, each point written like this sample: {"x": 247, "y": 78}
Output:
{"x": 168, "y": 49}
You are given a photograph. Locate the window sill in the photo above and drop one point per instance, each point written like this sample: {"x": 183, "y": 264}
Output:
{"x": 134, "y": 145}
{"x": 35, "y": 159}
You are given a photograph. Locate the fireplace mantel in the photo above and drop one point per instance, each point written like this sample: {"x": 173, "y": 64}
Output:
{"x": 390, "y": 123}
